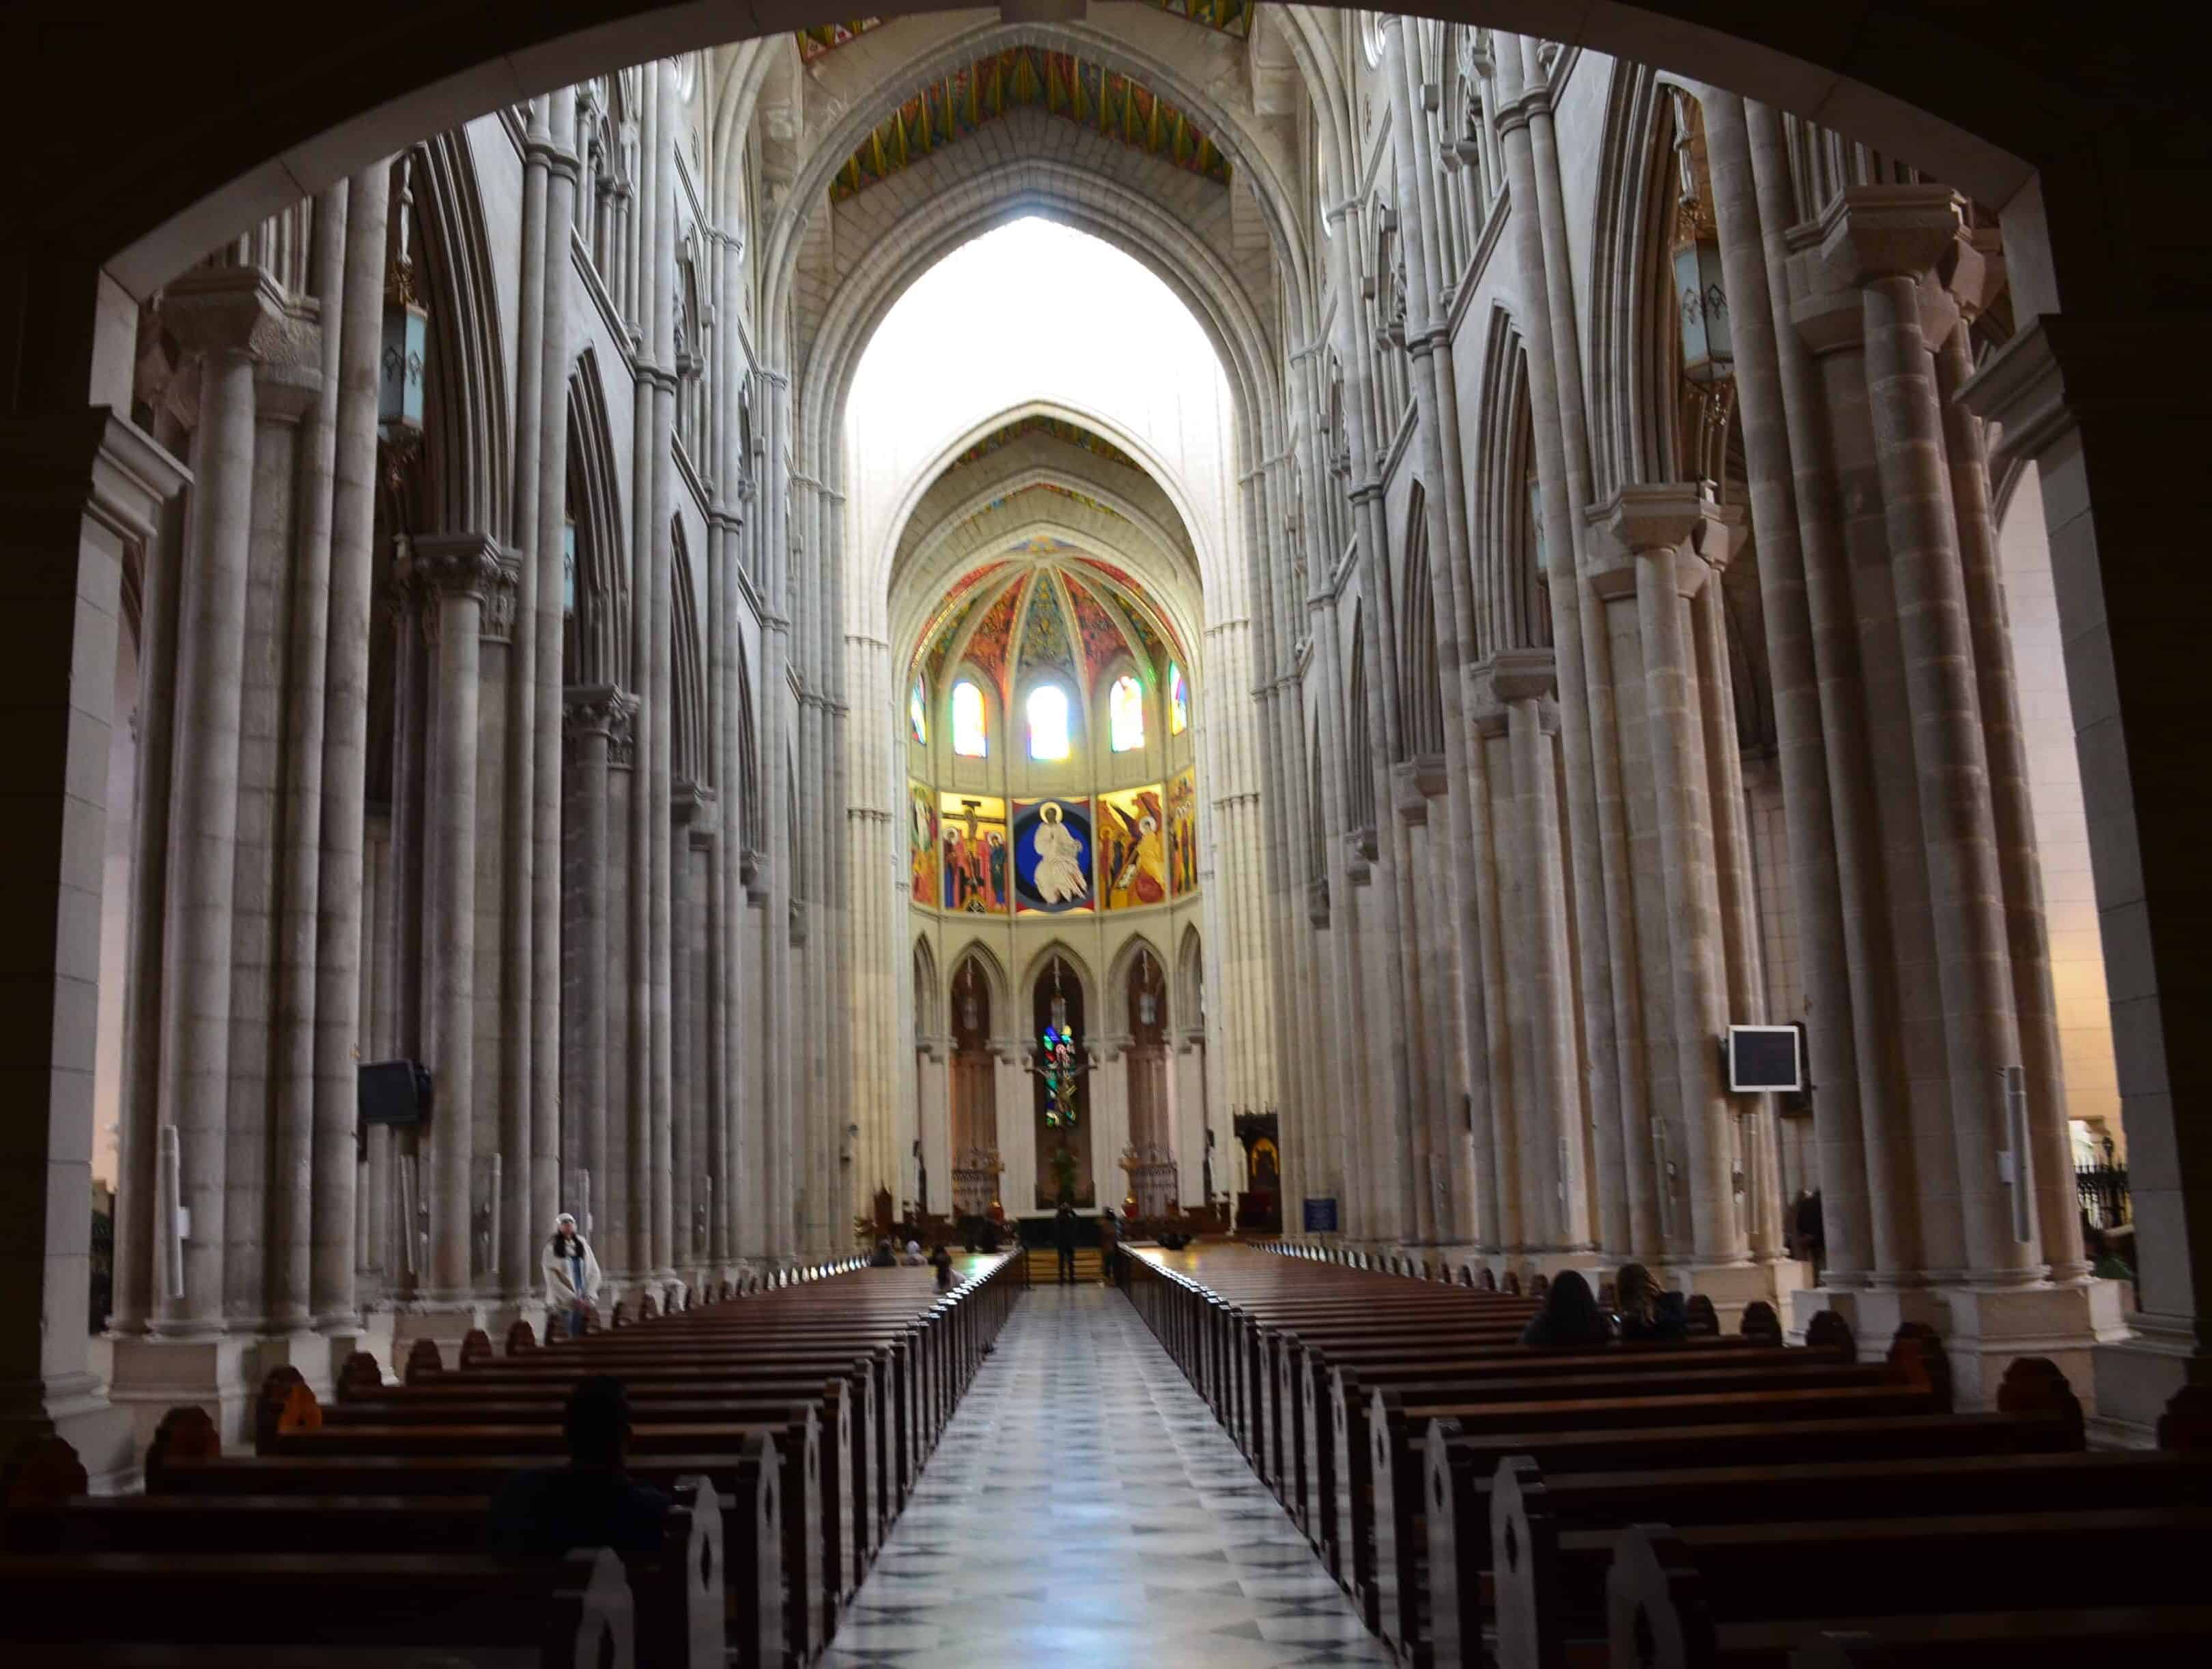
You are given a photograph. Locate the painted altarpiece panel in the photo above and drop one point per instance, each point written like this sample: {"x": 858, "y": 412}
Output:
{"x": 1133, "y": 870}
{"x": 973, "y": 844}
{"x": 1052, "y": 857}
{"x": 1183, "y": 833}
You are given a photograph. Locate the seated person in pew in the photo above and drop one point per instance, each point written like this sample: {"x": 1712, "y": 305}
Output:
{"x": 1647, "y": 1311}
{"x": 941, "y": 1261}
{"x": 884, "y": 1256}
{"x": 1570, "y": 1317}
{"x": 913, "y": 1260}
{"x": 592, "y": 1501}
{"x": 571, "y": 1277}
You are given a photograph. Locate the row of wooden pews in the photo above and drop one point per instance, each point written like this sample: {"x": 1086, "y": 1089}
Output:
{"x": 788, "y": 1421}
{"x": 1714, "y": 1500}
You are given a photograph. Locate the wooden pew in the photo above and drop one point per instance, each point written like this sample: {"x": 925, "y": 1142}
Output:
{"x": 1555, "y": 1538}
{"x": 2017, "y": 1640}
{"x": 556, "y": 1612}
{"x": 1397, "y": 1434}
{"x": 1747, "y": 1595}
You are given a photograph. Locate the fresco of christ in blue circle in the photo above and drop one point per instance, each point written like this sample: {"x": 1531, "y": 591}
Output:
{"x": 1052, "y": 857}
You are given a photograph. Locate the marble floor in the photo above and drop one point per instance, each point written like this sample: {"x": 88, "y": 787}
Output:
{"x": 1085, "y": 1508}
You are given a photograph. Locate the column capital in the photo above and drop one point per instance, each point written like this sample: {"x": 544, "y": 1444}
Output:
{"x": 470, "y": 566}
{"x": 1678, "y": 521}
{"x": 596, "y": 709}
{"x": 689, "y": 803}
{"x": 1870, "y": 231}
{"x": 244, "y": 311}
{"x": 1524, "y": 675}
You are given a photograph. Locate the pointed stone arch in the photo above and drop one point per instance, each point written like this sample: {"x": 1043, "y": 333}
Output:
{"x": 597, "y": 634}
{"x": 466, "y": 484}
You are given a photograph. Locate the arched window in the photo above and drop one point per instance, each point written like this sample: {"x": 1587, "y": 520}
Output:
{"x": 917, "y": 713}
{"x": 1049, "y": 726}
{"x": 1178, "y": 701}
{"x": 1125, "y": 709}
{"x": 967, "y": 738}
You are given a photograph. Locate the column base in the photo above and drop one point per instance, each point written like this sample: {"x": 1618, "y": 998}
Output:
{"x": 1735, "y": 1287}
{"x": 2137, "y": 1375}
{"x": 154, "y": 1375}
{"x": 76, "y": 1409}
{"x": 1985, "y": 1329}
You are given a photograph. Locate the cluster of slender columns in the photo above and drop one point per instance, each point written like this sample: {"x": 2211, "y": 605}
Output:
{"x": 1536, "y": 936}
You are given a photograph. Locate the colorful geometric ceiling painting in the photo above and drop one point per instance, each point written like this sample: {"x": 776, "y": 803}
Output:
{"x": 1058, "y": 84}
{"x": 1056, "y": 611}
{"x": 1059, "y": 428}
{"x": 1103, "y": 640}
{"x": 1155, "y": 651}
{"x": 1112, "y": 572}
{"x": 988, "y": 649}
{"x": 1044, "y": 639}
{"x": 951, "y": 614}
{"x": 1083, "y": 499}
{"x": 1230, "y": 17}
{"x": 828, "y": 37}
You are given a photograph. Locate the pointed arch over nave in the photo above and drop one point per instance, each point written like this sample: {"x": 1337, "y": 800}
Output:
{"x": 1407, "y": 575}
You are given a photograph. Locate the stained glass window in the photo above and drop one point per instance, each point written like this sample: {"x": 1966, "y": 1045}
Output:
{"x": 1048, "y": 726}
{"x": 1060, "y": 1073}
{"x": 917, "y": 713}
{"x": 1178, "y": 701}
{"x": 967, "y": 738}
{"x": 1125, "y": 707}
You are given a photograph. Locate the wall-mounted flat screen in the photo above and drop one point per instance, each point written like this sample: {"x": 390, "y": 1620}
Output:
{"x": 1761, "y": 1058}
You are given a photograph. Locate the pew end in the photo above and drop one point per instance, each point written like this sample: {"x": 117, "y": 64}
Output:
{"x": 1829, "y": 1331}
{"x": 1760, "y": 1324}
{"x": 1656, "y": 1611}
{"x": 1525, "y": 1567}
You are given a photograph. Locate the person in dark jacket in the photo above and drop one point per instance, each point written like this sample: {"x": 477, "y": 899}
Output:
{"x": 883, "y": 1256}
{"x": 1570, "y": 1317}
{"x": 1063, "y": 1236}
{"x": 1647, "y": 1311}
{"x": 592, "y": 1501}
{"x": 941, "y": 1261}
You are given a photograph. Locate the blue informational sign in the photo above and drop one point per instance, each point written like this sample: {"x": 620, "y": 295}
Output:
{"x": 1320, "y": 1215}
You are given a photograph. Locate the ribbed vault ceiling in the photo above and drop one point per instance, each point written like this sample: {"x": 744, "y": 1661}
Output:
{"x": 1061, "y": 84}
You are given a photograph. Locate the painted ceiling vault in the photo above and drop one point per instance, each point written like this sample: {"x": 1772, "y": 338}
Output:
{"x": 828, "y": 36}
{"x": 1060, "y": 83}
{"x": 1051, "y": 606}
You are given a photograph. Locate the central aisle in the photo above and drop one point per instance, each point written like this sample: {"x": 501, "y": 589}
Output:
{"x": 1084, "y": 1508}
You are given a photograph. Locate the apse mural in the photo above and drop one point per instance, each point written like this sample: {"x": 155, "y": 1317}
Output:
{"x": 1133, "y": 865}
{"x": 988, "y": 649}
{"x": 921, "y": 842}
{"x": 1052, "y": 857}
{"x": 1183, "y": 833}
{"x": 974, "y": 846}
{"x": 1100, "y": 637}
{"x": 1044, "y": 639}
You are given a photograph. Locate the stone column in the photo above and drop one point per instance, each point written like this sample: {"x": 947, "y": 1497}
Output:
{"x": 1017, "y": 1128}
{"x": 161, "y": 568}
{"x": 2057, "y": 1207}
{"x": 341, "y": 898}
{"x": 933, "y": 1093}
{"x": 232, "y": 315}
{"x": 1677, "y": 539}
{"x": 1500, "y": 1147}
{"x": 594, "y": 712}
{"x": 298, "y": 835}
{"x": 1109, "y": 1118}
{"x": 515, "y": 1273}
{"x": 1612, "y": 969}
{"x": 80, "y": 488}
{"x": 2068, "y": 392}
{"x": 547, "y": 701}
{"x": 458, "y": 574}
{"x": 1887, "y": 241}
{"x": 1523, "y": 681}
{"x": 1806, "y": 805}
